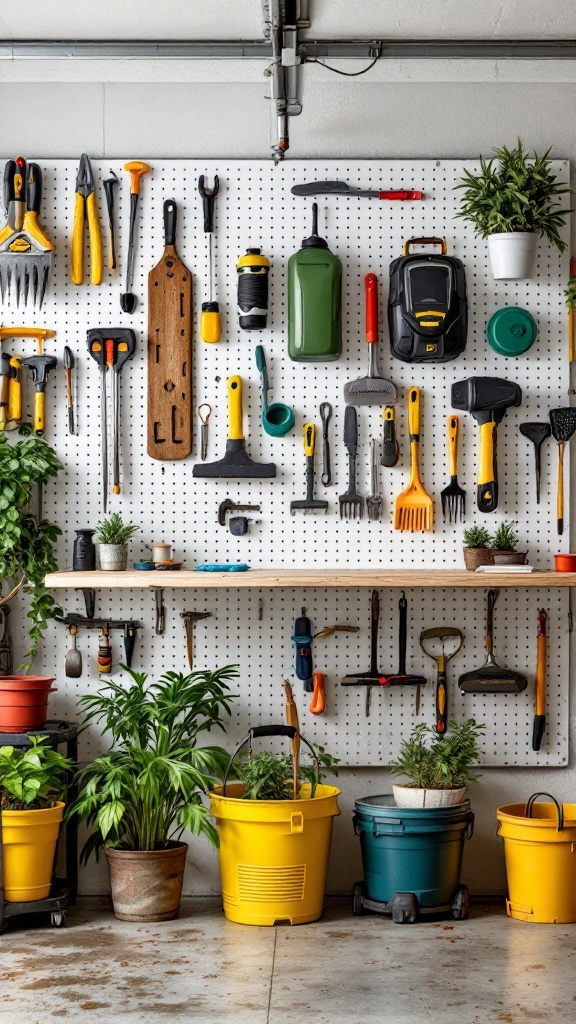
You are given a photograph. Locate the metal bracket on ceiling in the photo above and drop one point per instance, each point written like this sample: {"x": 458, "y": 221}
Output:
{"x": 282, "y": 21}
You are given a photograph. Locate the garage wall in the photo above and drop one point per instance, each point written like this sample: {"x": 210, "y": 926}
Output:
{"x": 426, "y": 117}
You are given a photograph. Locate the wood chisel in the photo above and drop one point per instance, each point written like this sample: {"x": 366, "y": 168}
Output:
{"x": 69, "y": 366}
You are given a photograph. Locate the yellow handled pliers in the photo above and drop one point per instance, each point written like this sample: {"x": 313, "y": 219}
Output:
{"x": 85, "y": 208}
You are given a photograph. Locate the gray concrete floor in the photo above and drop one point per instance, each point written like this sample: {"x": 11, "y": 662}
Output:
{"x": 340, "y": 970}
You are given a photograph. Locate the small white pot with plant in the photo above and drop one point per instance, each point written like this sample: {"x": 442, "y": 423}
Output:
{"x": 113, "y": 537}
{"x": 512, "y": 201}
{"x": 504, "y": 544}
{"x": 477, "y": 548}
{"x": 438, "y": 767}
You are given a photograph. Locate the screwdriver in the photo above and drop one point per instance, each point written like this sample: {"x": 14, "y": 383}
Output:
{"x": 210, "y": 327}
{"x": 69, "y": 366}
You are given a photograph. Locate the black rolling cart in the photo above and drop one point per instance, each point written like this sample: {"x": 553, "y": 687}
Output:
{"x": 63, "y": 891}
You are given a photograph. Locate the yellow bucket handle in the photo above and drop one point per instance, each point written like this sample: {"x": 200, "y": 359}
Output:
{"x": 559, "y": 808}
{"x": 271, "y": 730}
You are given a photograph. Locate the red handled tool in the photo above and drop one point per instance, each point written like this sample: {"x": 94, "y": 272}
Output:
{"x": 342, "y": 188}
{"x": 318, "y": 703}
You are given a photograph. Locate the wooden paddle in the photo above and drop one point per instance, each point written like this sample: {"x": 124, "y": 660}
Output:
{"x": 292, "y": 719}
{"x": 169, "y": 350}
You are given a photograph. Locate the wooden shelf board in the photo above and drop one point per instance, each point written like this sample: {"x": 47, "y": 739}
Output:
{"x": 322, "y": 578}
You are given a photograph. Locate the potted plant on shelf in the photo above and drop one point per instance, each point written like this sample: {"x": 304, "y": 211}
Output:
{"x": 113, "y": 537}
{"x": 477, "y": 550}
{"x": 275, "y": 829}
{"x": 512, "y": 201}
{"x": 439, "y": 768}
{"x": 504, "y": 544}
{"x": 32, "y": 789}
{"x": 141, "y": 796}
{"x": 27, "y": 540}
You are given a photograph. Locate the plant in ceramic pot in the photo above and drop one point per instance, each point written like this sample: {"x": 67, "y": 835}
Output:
{"x": 113, "y": 537}
{"x": 438, "y": 767}
{"x": 140, "y": 797}
{"x": 477, "y": 550}
{"x": 512, "y": 201}
{"x": 504, "y": 544}
{"x": 27, "y": 540}
{"x": 275, "y": 829}
{"x": 32, "y": 789}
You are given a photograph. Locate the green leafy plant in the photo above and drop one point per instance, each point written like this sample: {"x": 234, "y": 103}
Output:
{"x": 33, "y": 778}
{"x": 145, "y": 792}
{"x": 431, "y": 761}
{"x": 113, "y": 530}
{"x": 570, "y": 293}
{"x": 514, "y": 192}
{"x": 477, "y": 537}
{"x": 27, "y": 540}
{"x": 505, "y": 538}
{"x": 268, "y": 776}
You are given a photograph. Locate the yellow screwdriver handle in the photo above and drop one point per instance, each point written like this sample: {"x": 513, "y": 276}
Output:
{"x": 235, "y": 409}
{"x": 136, "y": 168}
{"x": 15, "y": 393}
{"x": 452, "y": 423}
{"x": 96, "y": 259}
{"x": 210, "y": 327}
{"x": 309, "y": 438}
{"x": 39, "y": 406}
{"x": 77, "y": 245}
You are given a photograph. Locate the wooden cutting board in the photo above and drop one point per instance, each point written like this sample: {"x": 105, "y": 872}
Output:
{"x": 170, "y": 379}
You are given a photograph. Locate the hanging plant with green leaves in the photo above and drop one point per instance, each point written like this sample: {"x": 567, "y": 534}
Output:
{"x": 514, "y": 192}
{"x": 26, "y": 539}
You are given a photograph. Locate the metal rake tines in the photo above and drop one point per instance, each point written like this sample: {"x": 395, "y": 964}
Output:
{"x": 413, "y": 518}
{"x": 351, "y": 506}
{"x": 454, "y": 503}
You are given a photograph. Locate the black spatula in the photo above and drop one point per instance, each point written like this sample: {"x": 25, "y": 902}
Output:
{"x": 537, "y": 433}
{"x": 563, "y": 423}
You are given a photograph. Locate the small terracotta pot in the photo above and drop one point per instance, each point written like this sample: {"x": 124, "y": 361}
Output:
{"x": 473, "y": 557}
{"x": 510, "y": 557}
{"x": 24, "y": 702}
{"x": 147, "y": 884}
{"x": 565, "y": 563}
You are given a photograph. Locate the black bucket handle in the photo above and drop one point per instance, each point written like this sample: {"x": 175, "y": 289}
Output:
{"x": 559, "y": 808}
{"x": 271, "y": 730}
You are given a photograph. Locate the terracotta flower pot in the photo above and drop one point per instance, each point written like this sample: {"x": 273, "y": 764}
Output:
{"x": 147, "y": 884}
{"x": 473, "y": 557}
{"x": 24, "y": 702}
{"x": 510, "y": 557}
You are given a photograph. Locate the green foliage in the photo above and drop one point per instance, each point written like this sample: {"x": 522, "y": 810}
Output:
{"x": 27, "y": 542}
{"x": 33, "y": 778}
{"x": 145, "y": 793}
{"x": 113, "y": 530}
{"x": 570, "y": 293}
{"x": 431, "y": 761}
{"x": 514, "y": 192}
{"x": 477, "y": 537}
{"x": 268, "y": 776}
{"x": 505, "y": 538}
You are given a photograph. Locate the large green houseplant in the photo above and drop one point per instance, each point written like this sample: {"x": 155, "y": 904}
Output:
{"x": 512, "y": 201}
{"x": 139, "y": 797}
{"x": 32, "y": 789}
{"x": 27, "y": 540}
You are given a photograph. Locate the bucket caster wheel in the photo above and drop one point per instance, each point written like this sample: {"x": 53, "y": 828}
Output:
{"x": 358, "y": 908}
{"x": 404, "y": 908}
{"x": 58, "y": 920}
{"x": 460, "y": 905}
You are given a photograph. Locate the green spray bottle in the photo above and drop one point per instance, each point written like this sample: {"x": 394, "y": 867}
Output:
{"x": 314, "y": 287}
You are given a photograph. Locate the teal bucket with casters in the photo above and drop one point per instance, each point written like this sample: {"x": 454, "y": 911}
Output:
{"x": 412, "y": 858}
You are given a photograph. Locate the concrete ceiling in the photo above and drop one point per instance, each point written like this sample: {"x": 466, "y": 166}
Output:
{"x": 331, "y": 19}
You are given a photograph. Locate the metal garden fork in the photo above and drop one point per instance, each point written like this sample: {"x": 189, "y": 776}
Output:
{"x": 453, "y": 496}
{"x": 351, "y": 503}
{"x": 374, "y": 499}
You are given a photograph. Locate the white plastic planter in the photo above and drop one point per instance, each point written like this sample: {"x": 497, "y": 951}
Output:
{"x": 513, "y": 255}
{"x": 407, "y": 796}
{"x": 113, "y": 557}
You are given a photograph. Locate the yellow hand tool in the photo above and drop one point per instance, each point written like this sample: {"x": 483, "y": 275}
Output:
{"x": 15, "y": 394}
{"x": 136, "y": 169}
{"x": 210, "y": 327}
{"x": 414, "y": 508}
{"x": 40, "y": 364}
{"x": 85, "y": 208}
{"x": 25, "y": 251}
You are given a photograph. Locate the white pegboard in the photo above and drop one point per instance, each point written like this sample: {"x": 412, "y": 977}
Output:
{"x": 255, "y": 207}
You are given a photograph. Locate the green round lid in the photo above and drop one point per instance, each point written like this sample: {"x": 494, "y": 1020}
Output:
{"x": 511, "y": 331}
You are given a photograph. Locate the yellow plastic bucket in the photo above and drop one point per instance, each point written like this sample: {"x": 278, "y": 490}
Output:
{"x": 540, "y": 852}
{"x": 29, "y": 840}
{"x": 274, "y": 854}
